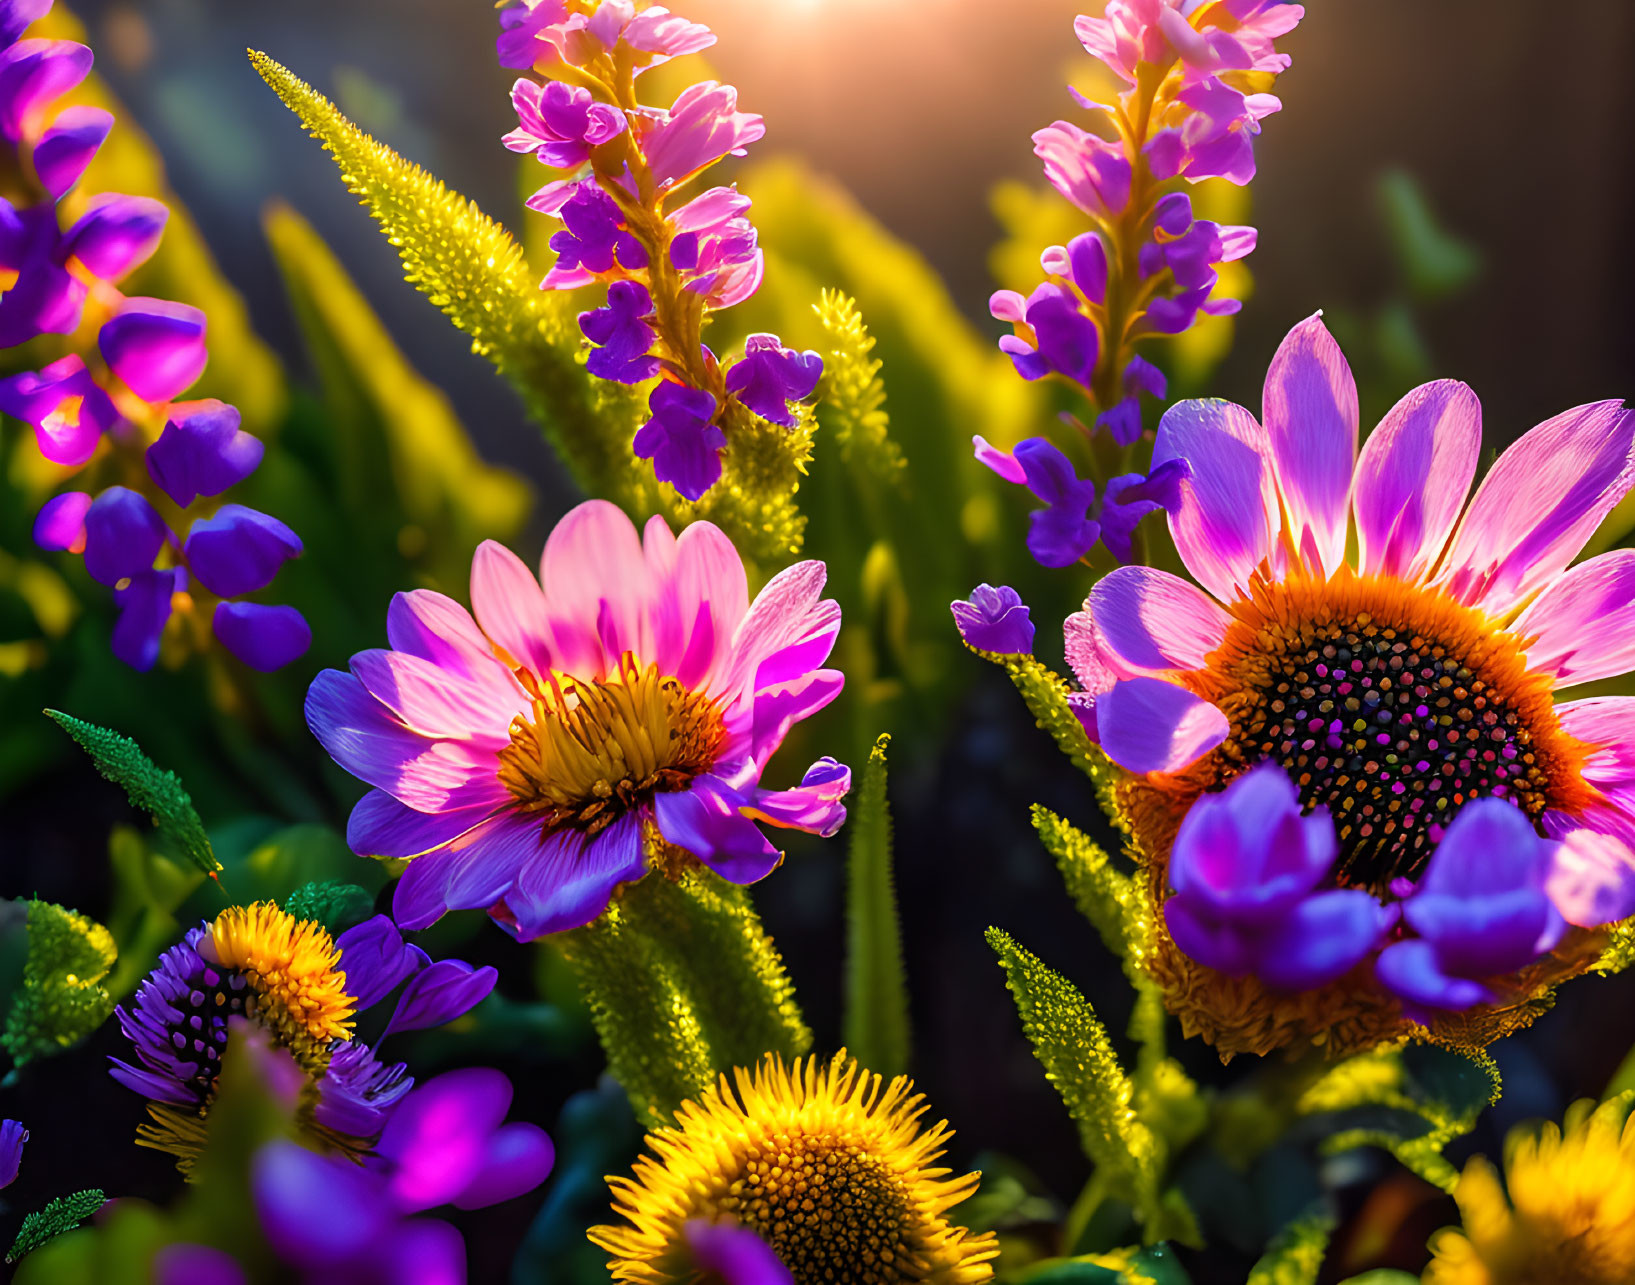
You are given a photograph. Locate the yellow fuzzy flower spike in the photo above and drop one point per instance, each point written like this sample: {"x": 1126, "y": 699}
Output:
{"x": 826, "y": 1162}
{"x": 1570, "y": 1215}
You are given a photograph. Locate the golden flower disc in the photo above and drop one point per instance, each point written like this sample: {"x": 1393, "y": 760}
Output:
{"x": 826, "y": 1162}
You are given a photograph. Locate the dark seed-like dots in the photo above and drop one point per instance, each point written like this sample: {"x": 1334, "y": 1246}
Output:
{"x": 1393, "y": 734}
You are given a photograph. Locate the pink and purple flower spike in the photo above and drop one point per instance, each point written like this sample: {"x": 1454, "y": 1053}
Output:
{"x": 449, "y": 725}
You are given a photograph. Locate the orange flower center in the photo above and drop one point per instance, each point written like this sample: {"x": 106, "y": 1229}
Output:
{"x": 1391, "y": 705}
{"x": 591, "y": 751}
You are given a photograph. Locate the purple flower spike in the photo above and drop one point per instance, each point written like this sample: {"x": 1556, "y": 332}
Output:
{"x": 116, "y": 234}
{"x": 626, "y": 340}
{"x": 1481, "y": 910}
{"x": 681, "y": 439}
{"x": 33, "y": 75}
{"x": 734, "y": 1255}
{"x": 995, "y": 619}
{"x": 239, "y": 550}
{"x": 123, "y": 535}
{"x": 67, "y": 409}
{"x": 16, "y": 16}
{"x": 264, "y": 638}
{"x": 450, "y": 988}
{"x": 202, "y": 451}
{"x": 144, "y": 610}
{"x": 72, "y": 142}
{"x": 60, "y": 525}
{"x": 771, "y": 376}
{"x": 1245, "y": 868}
{"x": 12, "y": 1138}
{"x": 155, "y": 346}
{"x": 560, "y": 123}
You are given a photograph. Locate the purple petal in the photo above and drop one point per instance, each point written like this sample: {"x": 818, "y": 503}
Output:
{"x": 202, "y": 451}
{"x": 264, "y": 638}
{"x": 144, "y": 610}
{"x": 1001, "y": 462}
{"x": 450, "y": 988}
{"x": 813, "y": 806}
{"x": 1593, "y": 879}
{"x": 116, "y": 233}
{"x": 60, "y": 525}
{"x": 1148, "y": 725}
{"x": 12, "y": 1138}
{"x": 1322, "y": 939}
{"x": 380, "y": 826}
{"x": 72, "y": 142}
{"x": 33, "y": 75}
{"x": 516, "y": 1159}
{"x": 681, "y": 439}
{"x": 156, "y": 347}
{"x": 123, "y": 535}
{"x": 438, "y": 1136}
{"x": 995, "y": 620}
{"x": 17, "y": 15}
{"x": 708, "y": 821}
{"x": 1211, "y": 941}
{"x": 316, "y": 1210}
{"x": 376, "y": 960}
{"x": 566, "y": 880}
{"x": 735, "y": 1255}
{"x": 1409, "y": 970}
{"x": 238, "y": 550}
{"x": 1153, "y": 622}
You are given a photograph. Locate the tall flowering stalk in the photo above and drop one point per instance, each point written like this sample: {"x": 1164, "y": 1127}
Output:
{"x": 635, "y": 219}
{"x": 108, "y": 404}
{"x": 1196, "y": 76}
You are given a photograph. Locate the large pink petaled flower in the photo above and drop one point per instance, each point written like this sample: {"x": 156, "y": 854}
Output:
{"x": 524, "y": 758}
{"x": 1393, "y": 685}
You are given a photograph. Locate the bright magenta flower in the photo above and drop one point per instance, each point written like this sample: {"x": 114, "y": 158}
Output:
{"x": 525, "y": 758}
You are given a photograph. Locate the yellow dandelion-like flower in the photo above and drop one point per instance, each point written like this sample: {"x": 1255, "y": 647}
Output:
{"x": 826, "y": 1162}
{"x": 292, "y": 965}
{"x": 1570, "y": 1216}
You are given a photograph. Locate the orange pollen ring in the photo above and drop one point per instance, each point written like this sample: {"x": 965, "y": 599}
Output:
{"x": 591, "y": 751}
{"x": 1389, "y": 703}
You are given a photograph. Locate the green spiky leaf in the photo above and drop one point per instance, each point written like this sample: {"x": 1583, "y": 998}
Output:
{"x": 1411, "y": 1102}
{"x": 152, "y": 789}
{"x": 1079, "y": 1060}
{"x": 877, "y": 1029}
{"x": 62, "y": 998}
{"x": 335, "y": 905}
{"x": 682, "y": 984}
{"x": 63, "y": 1214}
{"x": 1295, "y": 1256}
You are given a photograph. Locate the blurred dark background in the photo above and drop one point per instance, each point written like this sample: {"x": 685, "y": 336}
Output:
{"x": 1513, "y": 124}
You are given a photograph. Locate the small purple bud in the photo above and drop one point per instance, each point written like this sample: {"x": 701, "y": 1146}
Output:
{"x": 239, "y": 550}
{"x": 202, "y": 451}
{"x": 123, "y": 535}
{"x": 995, "y": 619}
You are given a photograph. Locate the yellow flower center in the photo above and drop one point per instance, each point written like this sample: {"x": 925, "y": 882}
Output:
{"x": 825, "y": 1162}
{"x": 591, "y": 751}
{"x": 1391, "y": 705}
{"x": 291, "y": 967}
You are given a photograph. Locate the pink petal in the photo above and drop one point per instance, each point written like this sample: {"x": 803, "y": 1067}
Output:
{"x": 1093, "y": 662}
{"x": 1585, "y": 622}
{"x": 438, "y": 703}
{"x": 1151, "y": 622}
{"x": 1310, "y": 413}
{"x": 779, "y": 708}
{"x": 1148, "y": 725}
{"x": 1541, "y": 502}
{"x": 1228, "y": 522}
{"x": 510, "y": 606}
{"x": 424, "y": 623}
{"x": 380, "y": 826}
{"x": 787, "y": 613}
{"x": 596, "y": 590}
{"x": 814, "y": 805}
{"x": 1413, "y": 476}
{"x": 1593, "y": 880}
{"x": 701, "y": 603}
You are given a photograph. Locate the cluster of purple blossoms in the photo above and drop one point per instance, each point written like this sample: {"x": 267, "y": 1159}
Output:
{"x": 668, "y": 253}
{"x": 1196, "y": 75}
{"x": 147, "y": 353}
{"x": 330, "y": 1218}
{"x": 182, "y": 1014}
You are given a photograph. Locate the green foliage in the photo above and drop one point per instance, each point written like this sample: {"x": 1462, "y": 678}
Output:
{"x": 1296, "y": 1255}
{"x": 62, "y": 998}
{"x": 1079, "y": 1060}
{"x": 335, "y": 905}
{"x": 1435, "y": 263}
{"x": 1412, "y": 1102}
{"x": 1152, "y": 1265}
{"x": 44, "y": 1225}
{"x": 398, "y": 424}
{"x": 877, "y": 1026}
{"x": 683, "y": 984}
{"x": 155, "y": 791}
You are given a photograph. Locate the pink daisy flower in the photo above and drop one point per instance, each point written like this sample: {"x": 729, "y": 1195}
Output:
{"x": 526, "y": 754}
{"x": 1396, "y": 651}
